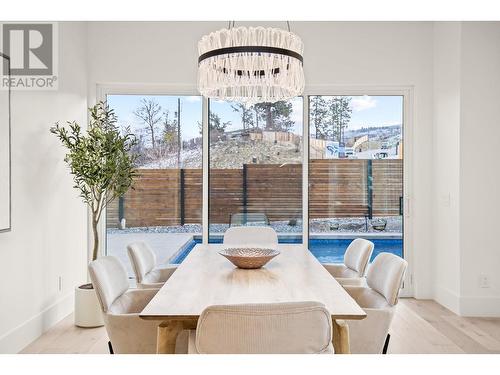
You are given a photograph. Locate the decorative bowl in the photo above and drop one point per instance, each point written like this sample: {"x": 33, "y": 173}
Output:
{"x": 249, "y": 257}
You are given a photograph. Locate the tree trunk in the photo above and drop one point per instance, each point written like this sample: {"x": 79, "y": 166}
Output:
{"x": 96, "y": 237}
{"x": 269, "y": 119}
{"x": 152, "y": 135}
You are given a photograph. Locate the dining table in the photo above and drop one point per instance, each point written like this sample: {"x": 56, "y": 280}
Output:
{"x": 206, "y": 278}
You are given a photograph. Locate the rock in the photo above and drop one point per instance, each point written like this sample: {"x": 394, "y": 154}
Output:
{"x": 379, "y": 224}
{"x": 334, "y": 226}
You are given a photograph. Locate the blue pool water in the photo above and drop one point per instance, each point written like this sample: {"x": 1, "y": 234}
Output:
{"x": 332, "y": 250}
{"x": 326, "y": 250}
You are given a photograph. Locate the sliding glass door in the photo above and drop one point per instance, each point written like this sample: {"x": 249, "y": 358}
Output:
{"x": 164, "y": 207}
{"x": 355, "y": 174}
{"x": 255, "y": 175}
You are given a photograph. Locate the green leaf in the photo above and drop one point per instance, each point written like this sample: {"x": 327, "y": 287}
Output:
{"x": 100, "y": 161}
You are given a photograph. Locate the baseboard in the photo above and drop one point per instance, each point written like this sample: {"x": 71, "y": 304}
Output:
{"x": 448, "y": 299}
{"x": 480, "y": 306}
{"x": 468, "y": 306}
{"x": 18, "y": 338}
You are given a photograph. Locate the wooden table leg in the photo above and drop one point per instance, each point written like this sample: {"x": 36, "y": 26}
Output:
{"x": 168, "y": 331}
{"x": 340, "y": 337}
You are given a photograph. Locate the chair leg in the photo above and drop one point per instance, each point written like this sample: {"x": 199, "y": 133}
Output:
{"x": 386, "y": 344}
{"x": 110, "y": 347}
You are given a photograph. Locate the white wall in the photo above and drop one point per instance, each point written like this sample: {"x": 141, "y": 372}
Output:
{"x": 153, "y": 53}
{"x": 479, "y": 167}
{"x": 356, "y": 54}
{"x": 49, "y": 227}
{"x": 466, "y": 141}
{"x": 446, "y": 164}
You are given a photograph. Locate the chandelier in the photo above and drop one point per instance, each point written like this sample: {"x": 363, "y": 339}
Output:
{"x": 250, "y": 65}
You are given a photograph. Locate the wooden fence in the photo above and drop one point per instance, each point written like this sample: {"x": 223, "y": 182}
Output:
{"x": 337, "y": 188}
{"x": 278, "y": 137}
{"x": 275, "y": 190}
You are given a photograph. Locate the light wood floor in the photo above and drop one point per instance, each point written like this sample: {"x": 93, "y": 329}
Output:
{"x": 420, "y": 326}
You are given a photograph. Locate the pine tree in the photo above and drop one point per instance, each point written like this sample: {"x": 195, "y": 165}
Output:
{"x": 331, "y": 131}
{"x": 277, "y": 116}
{"x": 246, "y": 115}
{"x": 257, "y": 114}
{"x": 344, "y": 115}
{"x": 169, "y": 131}
{"x": 338, "y": 116}
{"x": 215, "y": 124}
{"x": 318, "y": 116}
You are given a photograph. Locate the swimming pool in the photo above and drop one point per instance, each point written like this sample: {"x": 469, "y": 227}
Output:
{"x": 326, "y": 250}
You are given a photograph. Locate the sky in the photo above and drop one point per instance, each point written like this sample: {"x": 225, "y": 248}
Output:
{"x": 366, "y": 111}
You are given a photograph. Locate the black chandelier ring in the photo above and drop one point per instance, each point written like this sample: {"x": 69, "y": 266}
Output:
{"x": 251, "y": 49}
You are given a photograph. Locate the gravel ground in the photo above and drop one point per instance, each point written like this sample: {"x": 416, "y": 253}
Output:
{"x": 393, "y": 225}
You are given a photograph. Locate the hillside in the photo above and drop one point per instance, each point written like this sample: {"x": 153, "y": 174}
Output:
{"x": 233, "y": 154}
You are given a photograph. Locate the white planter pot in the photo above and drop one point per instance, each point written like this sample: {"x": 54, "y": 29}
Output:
{"x": 87, "y": 309}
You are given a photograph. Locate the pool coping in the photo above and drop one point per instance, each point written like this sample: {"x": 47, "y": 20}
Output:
{"x": 292, "y": 236}
{"x": 181, "y": 249}
{"x": 329, "y": 236}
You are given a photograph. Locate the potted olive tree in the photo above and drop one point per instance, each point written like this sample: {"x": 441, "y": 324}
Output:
{"x": 102, "y": 166}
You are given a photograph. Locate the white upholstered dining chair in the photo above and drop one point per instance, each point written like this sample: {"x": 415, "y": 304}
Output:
{"x": 379, "y": 299}
{"x": 251, "y": 236}
{"x": 147, "y": 273}
{"x": 121, "y": 306}
{"x": 356, "y": 258}
{"x": 276, "y": 328}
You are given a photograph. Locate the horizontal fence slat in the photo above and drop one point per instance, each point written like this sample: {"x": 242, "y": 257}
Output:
{"x": 337, "y": 188}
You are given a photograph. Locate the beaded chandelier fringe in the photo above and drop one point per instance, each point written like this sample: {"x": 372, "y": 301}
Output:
{"x": 251, "y": 77}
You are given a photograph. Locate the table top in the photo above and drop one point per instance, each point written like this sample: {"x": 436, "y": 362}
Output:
{"x": 206, "y": 278}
